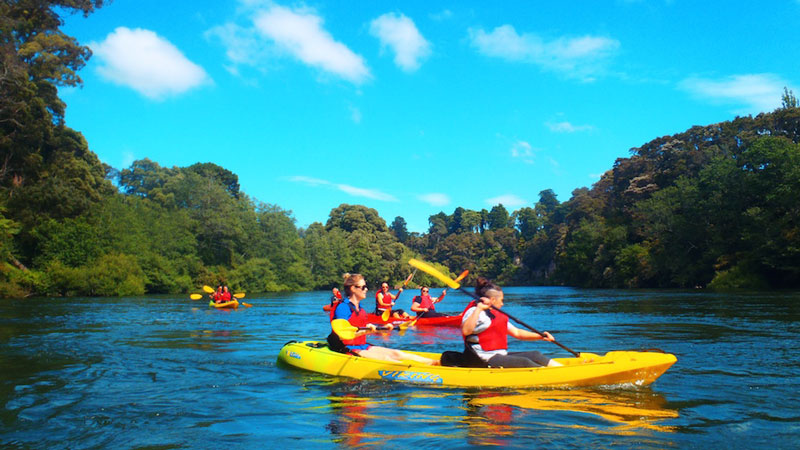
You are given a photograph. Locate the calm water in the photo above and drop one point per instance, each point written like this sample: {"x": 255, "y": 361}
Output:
{"x": 163, "y": 373}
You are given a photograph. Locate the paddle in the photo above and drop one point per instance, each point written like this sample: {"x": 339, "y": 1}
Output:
{"x": 388, "y": 312}
{"x": 346, "y": 331}
{"x": 430, "y": 270}
{"x": 240, "y": 295}
{"x": 195, "y": 296}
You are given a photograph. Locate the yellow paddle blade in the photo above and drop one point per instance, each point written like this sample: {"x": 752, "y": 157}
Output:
{"x": 462, "y": 276}
{"x": 430, "y": 270}
{"x": 386, "y": 314}
{"x": 208, "y": 289}
{"x": 246, "y": 305}
{"x": 406, "y": 325}
{"x": 195, "y": 296}
{"x": 239, "y": 295}
{"x": 343, "y": 329}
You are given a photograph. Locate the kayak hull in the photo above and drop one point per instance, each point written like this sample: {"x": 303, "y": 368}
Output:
{"x": 233, "y": 304}
{"x": 616, "y": 367}
{"x": 444, "y": 321}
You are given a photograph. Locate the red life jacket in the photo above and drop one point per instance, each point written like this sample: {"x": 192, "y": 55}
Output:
{"x": 378, "y": 305}
{"x": 217, "y": 296}
{"x": 226, "y": 296}
{"x": 496, "y": 336}
{"x": 470, "y": 305}
{"x": 425, "y": 301}
{"x": 357, "y": 319}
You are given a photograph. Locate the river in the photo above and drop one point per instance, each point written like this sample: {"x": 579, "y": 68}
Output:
{"x": 169, "y": 373}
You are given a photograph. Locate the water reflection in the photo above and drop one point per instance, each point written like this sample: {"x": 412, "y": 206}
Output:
{"x": 351, "y": 416}
{"x": 629, "y": 412}
{"x": 488, "y": 423}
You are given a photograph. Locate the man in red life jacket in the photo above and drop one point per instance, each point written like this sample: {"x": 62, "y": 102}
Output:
{"x": 424, "y": 304}
{"x": 335, "y": 297}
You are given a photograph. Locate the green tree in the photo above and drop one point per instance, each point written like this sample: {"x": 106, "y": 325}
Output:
{"x": 399, "y": 228}
{"x": 788, "y": 100}
{"x": 36, "y": 57}
{"x": 498, "y": 218}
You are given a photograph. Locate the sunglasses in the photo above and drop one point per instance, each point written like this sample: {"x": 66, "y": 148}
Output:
{"x": 363, "y": 287}
{"x": 424, "y": 290}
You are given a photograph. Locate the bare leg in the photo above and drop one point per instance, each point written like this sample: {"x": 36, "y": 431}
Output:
{"x": 389, "y": 354}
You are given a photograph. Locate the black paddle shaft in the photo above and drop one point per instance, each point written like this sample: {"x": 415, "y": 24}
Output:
{"x": 520, "y": 322}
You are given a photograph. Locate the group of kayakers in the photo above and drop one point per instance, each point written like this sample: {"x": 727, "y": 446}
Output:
{"x": 422, "y": 303}
{"x": 222, "y": 294}
{"x": 484, "y": 328}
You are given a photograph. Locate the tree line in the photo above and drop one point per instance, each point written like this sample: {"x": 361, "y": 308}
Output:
{"x": 714, "y": 206}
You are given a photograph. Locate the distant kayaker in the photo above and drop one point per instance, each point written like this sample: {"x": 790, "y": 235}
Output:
{"x": 335, "y": 297}
{"x": 424, "y": 304}
{"x": 217, "y": 295}
{"x": 385, "y": 300}
{"x": 226, "y": 295}
{"x": 355, "y": 291}
{"x": 486, "y": 332}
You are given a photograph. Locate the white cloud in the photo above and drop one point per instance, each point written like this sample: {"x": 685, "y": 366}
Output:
{"x": 352, "y": 190}
{"x": 399, "y": 33}
{"x": 580, "y": 56}
{"x": 758, "y": 92}
{"x": 355, "y": 114}
{"x": 566, "y": 127}
{"x": 147, "y": 63}
{"x": 523, "y": 151}
{"x": 368, "y": 193}
{"x": 309, "y": 180}
{"x": 509, "y": 200}
{"x": 301, "y": 34}
{"x": 435, "y": 199}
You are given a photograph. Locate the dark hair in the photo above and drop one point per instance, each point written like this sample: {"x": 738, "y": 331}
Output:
{"x": 484, "y": 285}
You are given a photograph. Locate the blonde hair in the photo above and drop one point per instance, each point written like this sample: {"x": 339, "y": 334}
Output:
{"x": 351, "y": 280}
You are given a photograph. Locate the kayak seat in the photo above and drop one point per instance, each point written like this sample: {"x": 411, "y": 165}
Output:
{"x": 467, "y": 358}
{"x": 336, "y": 345}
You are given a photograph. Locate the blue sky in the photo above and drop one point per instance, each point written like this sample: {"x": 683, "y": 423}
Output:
{"x": 417, "y": 107}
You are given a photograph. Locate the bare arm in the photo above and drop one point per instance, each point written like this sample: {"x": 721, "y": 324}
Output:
{"x": 526, "y": 335}
{"x": 468, "y": 326}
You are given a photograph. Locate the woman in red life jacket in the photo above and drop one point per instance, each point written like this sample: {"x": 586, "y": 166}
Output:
{"x": 226, "y": 295}
{"x": 424, "y": 304}
{"x": 385, "y": 300}
{"x": 355, "y": 291}
{"x": 217, "y": 295}
{"x": 486, "y": 331}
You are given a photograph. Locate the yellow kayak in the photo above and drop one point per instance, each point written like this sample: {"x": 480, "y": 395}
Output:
{"x": 617, "y": 367}
{"x": 231, "y": 304}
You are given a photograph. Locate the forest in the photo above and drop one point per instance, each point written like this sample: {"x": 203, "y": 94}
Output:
{"x": 712, "y": 207}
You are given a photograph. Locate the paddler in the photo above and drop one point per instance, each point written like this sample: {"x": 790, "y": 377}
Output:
{"x": 486, "y": 332}
{"x": 217, "y": 295}
{"x": 226, "y": 295}
{"x": 385, "y": 300}
{"x": 355, "y": 291}
{"x": 424, "y": 304}
{"x": 335, "y": 297}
